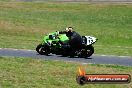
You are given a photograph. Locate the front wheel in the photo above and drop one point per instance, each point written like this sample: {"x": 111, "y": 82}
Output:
{"x": 43, "y": 50}
{"x": 87, "y": 52}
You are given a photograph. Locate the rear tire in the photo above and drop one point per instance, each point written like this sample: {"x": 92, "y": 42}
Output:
{"x": 87, "y": 52}
{"x": 91, "y": 51}
{"x": 43, "y": 50}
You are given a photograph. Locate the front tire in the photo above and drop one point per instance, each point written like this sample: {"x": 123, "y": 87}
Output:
{"x": 43, "y": 50}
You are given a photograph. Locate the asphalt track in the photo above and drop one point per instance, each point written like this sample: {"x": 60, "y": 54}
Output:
{"x": 96, "y": 59}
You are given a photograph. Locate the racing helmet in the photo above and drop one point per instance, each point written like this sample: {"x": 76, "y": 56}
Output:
{"x": 69, "y": 29}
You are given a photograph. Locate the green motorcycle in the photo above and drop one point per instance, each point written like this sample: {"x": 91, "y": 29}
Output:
{"x": 53, "y": 43}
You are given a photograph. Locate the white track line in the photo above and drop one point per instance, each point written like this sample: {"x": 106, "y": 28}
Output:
{"x": 94, "y": 54}
{"x": 17, "y": 49}
{"x": 115, "y": 46}
{"x": 111, "y": 55}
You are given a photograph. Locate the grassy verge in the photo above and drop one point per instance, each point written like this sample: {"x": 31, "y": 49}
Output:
{"x": 22, "y": 24}
{"x": 37, "y": 73}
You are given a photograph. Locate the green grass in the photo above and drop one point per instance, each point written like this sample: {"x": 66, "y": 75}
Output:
{"x": 22, "y": 24}
{"x": 37, "y": 73}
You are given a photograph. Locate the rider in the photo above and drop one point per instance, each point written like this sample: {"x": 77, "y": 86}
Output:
{"x": 75, "y": 40}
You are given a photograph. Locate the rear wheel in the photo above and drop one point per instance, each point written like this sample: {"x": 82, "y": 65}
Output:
{"x": 43, "y": 50}
{"x": 87, "y": 52}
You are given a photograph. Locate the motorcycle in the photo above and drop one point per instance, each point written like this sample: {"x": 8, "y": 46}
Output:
{"x": 52, "y": 43}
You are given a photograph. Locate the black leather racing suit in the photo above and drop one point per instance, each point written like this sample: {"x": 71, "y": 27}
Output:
{"x": 75, "y": 40}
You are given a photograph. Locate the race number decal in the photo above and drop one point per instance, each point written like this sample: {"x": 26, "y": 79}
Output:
{"x": 90, "y": 40}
